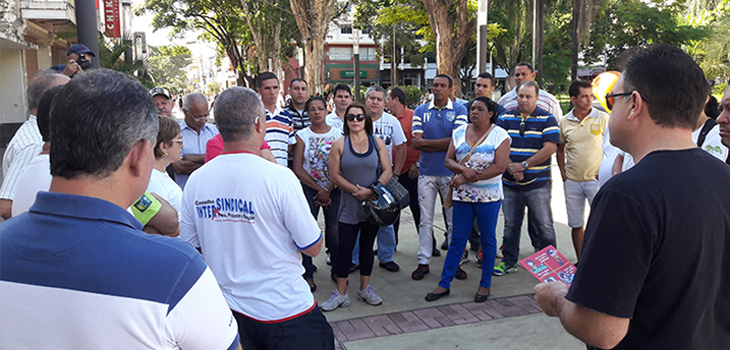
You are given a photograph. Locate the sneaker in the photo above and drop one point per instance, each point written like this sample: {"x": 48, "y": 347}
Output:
{"x": 329, "y": 259}
{"x": 335, "y": 301}
{"x": 460, "y": 274}
{"x": 478, "y": 260}
{"x": 502, "y": 269}
{"x": 464, "y": 257}
{"x": 499, "y": 252}
{"x": 435, "y": 252}
{"x": 421, "y": 271}
{"x": 368, "y": 295}
{"x": 390, "y": 266}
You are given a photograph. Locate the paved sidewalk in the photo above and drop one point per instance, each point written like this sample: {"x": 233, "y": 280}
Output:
{"x": 510, "y": 319}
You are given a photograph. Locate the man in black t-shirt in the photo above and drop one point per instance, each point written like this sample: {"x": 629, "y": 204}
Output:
{"x": 654, "y": 271}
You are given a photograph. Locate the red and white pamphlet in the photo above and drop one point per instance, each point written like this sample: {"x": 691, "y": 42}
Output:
{"x": 548, "y": 265}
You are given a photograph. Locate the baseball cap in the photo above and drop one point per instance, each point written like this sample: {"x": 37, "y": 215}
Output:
{"x": 79, "y": 49}
{"x": 158, "y": 90}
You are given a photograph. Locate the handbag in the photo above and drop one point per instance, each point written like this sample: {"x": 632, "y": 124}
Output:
{"x": 392, "y": 197}
{"x": 448, "y": 201}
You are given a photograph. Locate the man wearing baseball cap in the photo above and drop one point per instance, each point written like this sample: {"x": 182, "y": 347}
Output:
{"x": 163, "y": 100}
{"x": 79, "y": 59}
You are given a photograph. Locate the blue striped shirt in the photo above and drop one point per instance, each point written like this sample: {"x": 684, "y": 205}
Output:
{"x": 540, "y": 127}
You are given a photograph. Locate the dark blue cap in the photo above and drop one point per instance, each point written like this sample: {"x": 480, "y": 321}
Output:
{"x": 79, "y": 49}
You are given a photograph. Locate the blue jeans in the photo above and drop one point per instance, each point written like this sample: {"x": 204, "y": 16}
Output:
{"x": 538, "y": 203}
{"x": 331, "y": 238}
{"x": 386, "y": 246}
{"x": 307, "y": 332}
{"x": 464, "y": 213}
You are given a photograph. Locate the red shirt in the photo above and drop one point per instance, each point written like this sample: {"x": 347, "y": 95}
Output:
{"x": 412, "y": 156}
{"x": 214, "y": 147}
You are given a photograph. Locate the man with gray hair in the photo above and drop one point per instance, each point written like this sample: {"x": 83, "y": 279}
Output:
{"x": 78, "y": 247}
{"x": 27, "y": 141}
{"x": 196, "y": 132}
{"x": 251, "y": 228}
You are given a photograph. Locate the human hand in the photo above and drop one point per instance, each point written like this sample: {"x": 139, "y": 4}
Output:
{"x": 364, "y": 193}
{"x": 519, "y": 176}
{"x": 71, "y": 68}
{"x": 322, "y": 198}
{"x": 470, "y": 174}
{"x": 417, "y": 143}
{"x": 457, "y": 181}
{"x": 413, "y": 172}
{"x": 513, "y": 168}
{"x": 562, "y": 174}
{"x": 548, "y": 296}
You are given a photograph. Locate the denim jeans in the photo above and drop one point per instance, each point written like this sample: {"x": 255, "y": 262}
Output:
{"x": 513, "y": 206}
{"x": 307, "y": 332}
{"x": 428, "y": 188}
{"x": 486, "y": 215}
{"x": 331, "y": 238}
{"x": 386, "y": 245}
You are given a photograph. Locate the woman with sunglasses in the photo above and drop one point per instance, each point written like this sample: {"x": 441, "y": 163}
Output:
{"x": 167, "y": 150}
{"x": 477, "y": 191}
{"x": 311, "y": 155}
{"x": 353, "y": 165}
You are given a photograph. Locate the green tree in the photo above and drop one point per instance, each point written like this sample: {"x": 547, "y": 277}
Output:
{"x": 220, "y": 20}
{"x": 167, "y": 66}
{"x": 634, "y": 23}
{"x": 712, "y": 53}
{"x": 273, "y": 28}
{"x": 557, "y": 61}
{"x": 111, "y": 56}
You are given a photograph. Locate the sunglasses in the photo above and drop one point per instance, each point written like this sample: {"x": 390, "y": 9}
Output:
{"x": 522, "y": 128}
{"x": 610, "y": 98}
{"x": 359, "y": 117}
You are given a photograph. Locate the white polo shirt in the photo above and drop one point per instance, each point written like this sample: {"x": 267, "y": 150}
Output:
{"x": 249, "y": 218}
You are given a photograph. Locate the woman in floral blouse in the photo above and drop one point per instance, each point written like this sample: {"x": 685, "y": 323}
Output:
{"x": 477, "y": 191}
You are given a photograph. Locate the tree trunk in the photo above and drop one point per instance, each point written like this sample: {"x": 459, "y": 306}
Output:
{"x": 450, "y": 49}
{"x": 313, "y": 17}
{"x": 574, "y": 41}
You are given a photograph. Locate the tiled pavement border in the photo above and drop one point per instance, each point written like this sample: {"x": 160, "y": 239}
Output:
{"x": 432, "y": 317}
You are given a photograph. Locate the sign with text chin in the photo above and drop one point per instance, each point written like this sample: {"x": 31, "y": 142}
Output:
{"x": 112, "y": 23}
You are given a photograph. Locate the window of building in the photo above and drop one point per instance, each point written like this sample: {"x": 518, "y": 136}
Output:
{"x": 340, "y": 54}
{"x": 345, "y": 30}
{"x": 368, "y": 54}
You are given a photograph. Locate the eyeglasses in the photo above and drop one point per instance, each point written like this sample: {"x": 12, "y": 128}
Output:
{"x": 179, "y": 139}
{"x": 351, "y": 117}
{"x": 610, "y": 100}
{"x": 197, "y": 119}
{"x": 522, "y": 128}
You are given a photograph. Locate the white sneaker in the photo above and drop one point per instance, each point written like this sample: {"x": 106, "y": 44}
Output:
{"x": 499, "y": 252}
{"x": 464, "y": 258}
{"x": 368, "y": 295}
{"x": 329, "y": 259}
{"x": 335, "y": 301}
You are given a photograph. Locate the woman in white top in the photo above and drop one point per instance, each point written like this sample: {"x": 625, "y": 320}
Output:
{"x": 311, "y": 154}
{"x": 167, "y": 150}
{"x": 477, "y": 191}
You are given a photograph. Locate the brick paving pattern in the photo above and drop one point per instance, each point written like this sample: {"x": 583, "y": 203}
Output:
{"x": 432, "y": 317}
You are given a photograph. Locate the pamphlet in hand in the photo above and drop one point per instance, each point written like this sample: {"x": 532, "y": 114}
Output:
{"x": 548, "y": 265}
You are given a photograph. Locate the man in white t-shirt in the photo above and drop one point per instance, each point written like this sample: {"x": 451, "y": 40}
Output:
{"x": 388, "y": 128}
{"x": 343, "y": 98}
{"x": 250, "y": 227}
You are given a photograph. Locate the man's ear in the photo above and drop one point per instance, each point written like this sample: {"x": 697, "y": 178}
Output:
{"x": 638, "y": 105}
{"x": 139, "y": 158}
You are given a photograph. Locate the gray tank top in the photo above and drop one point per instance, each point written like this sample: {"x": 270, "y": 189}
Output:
{"x": 359, "y": 169}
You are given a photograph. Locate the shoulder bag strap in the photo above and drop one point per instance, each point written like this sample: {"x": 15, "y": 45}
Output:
{"x": 709, "y": 124}
{"x": 468, "y": 155}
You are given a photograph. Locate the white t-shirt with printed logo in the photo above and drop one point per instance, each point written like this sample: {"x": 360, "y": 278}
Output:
{"x": 317, "y": 153}
{"x": 388, "y": 129}
{"x": 250, "y": 219}
{"x": 482, "y": 191}
{"x": 713, "y": 144}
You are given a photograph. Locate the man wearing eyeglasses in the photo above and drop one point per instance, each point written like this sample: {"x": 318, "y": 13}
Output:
{"x": 196, "y": 131}
{"x": 527, "y": 181}
{"x": 654, "y": 272}
{"x": 579, "y": 155}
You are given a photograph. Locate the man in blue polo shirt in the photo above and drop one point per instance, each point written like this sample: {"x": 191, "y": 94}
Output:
{"x": 76, "y": 271}
{"x": 433, "y": 124}
{"x": 196, "y": 131}
{"x": 527, "y": 182}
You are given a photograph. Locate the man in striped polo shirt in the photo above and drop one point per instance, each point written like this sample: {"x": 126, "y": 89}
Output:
{"x": 279, "y": 126}
{"x": 527, "y": 182}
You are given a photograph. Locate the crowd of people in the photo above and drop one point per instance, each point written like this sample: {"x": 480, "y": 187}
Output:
{"x": 133, "y": 228}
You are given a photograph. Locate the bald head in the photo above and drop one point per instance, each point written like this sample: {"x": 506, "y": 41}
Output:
{"x": 43, "y": 81}
{"x": 196, "y": 110}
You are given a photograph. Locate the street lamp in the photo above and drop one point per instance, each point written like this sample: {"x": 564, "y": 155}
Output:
{"x": 356, "y": 58}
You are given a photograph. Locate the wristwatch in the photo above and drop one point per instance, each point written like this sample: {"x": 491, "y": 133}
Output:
{"x": 525, "y": 165}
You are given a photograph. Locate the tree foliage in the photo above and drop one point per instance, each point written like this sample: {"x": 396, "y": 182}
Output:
{"x": 167, "y": 66}
{"x": 273, "y": 28}
{"x": 111, "y": 56}
{"x": 635, "y": 23}
{"x": 221, "y": 20}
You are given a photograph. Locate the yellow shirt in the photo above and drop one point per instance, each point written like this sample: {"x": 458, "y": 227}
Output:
{"x": 583, "y": 144}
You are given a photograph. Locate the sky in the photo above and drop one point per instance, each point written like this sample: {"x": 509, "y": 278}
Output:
{"x": 161, "y": 36}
